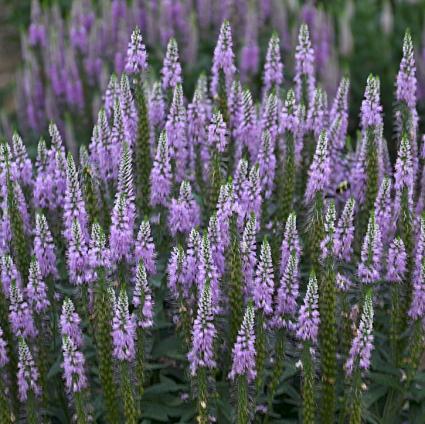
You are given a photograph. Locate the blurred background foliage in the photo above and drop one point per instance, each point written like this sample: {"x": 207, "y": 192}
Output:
{"x": 367, "y": 36}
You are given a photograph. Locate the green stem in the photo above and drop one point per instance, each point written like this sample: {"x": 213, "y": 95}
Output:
{"x": 309, "y": 404}
{"x": 242, "y": 407}
{"x": 130, "y": 410}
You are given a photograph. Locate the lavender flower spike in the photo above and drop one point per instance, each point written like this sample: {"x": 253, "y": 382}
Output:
{"x": 123, "y": 330}
{"x": 36, "y": 288}
{"x": 142, "y": 298}
{"x": 44, "y": 248}
{"x": 362, "y": 346}
{"x": 318, "y": 174}
{"x": 404, "y": 173}
{"x": 309, "y": 319}
{"x": 70, "y": 322}
{"x": 223, "y": 58}
{"x": 202, "y": 353}
{"x": 344, "y": 233}
{"x": 171, "y": 70}
{"x": 28, "y": 375}
{"x": 406, "y": 78}
{"x": 137, "y": 58}
{"x": 145, "y": 248}
{"x": 417, "y": 308}
{"x": 396, "y": 261}
{"x": 73, "y": 366}
{"x": 304, "y": 67}
{"x": 264, "y": 284}
{"x": 273, "y": 68}
{"x": 161, "y": 178}
{"x": 243, "y": 352}
{"x": 77, "y": 256}
{"x": 20, "y": 315}
{"x": 290, "y": 242}
{"x": 370, "y": 265}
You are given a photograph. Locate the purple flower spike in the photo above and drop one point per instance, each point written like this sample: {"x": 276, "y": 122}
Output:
{"x": 9, "y": 274}
{"x": 203, "y": 334}
{"x": 22, "y": 161}
{"x": 223, "y": 58}
{"x": 269, "y": 116}
{"x": 406, "y": 77}
{"x": 243, "y": 352}
{"x": 267, "y": 164}
{"x": 77, "y": 256}
{"x": 36, "y": 288}
{"x": 73, "y": 366}
{"x": 273, "y": 68}
{"x": 404, "y": 173}
{"x": 217, "y": 133}
{"x": 123, "y": 330}
{"x": 317, "y": 114}
{"x": 371, "y": 110}
{"x": 248, "y": 250}
{"x": 319, "y": 172}
{"x": 184, "y": 211}
{"x": 44, "y": 248}
{"x": 156, "y": 106}
{"x": 74, "y": 207}
{"x": 20, "y": 315}
{"x": 287, "y": 295}
{"x": 171, "y": 70}
{"x": 264, "y": 280}
{"x": 384, "y": 209}
{"x": 327, "y": 244}
{"x": 161, "y": 178}
{"x": 309, "y": 319}
{"x": 217, "y": 248}
{"x": 304, "y": 66}
{"x": 290, "y": 243}
{"x": 362, "y": 346}
{"x": 343, "y": 283}
{"x": 396, "y": 261}
{"x": 417, "y": 308}
{"x": 28, "y": 375}
{"x": 70, "y": 323}
{"x": 4, "y": 358}
{"x": 99, "y": 254}
{"x": 145, "y": 248}
{"x": 137, "y": 58}
{"x": 340, "y": 110}
{"x": 344, "y": 233}
{"x": 142, "y": 298}
{"x": 178, "y": 269}
{"x": 370, "y": 265}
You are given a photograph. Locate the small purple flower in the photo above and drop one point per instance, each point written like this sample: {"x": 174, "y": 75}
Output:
{"x": 4, "y": 358}
{"x": 406, "y": 77}
{"x": 225, "y": 207}
{"x": 371, "y": 110}
{"x": 404, "y": 173}
{"x": 44, "y": 248}
{"x": 340, "y": 110}
{"x": 396, "y": 261}
{"x": 171, "y": 70}
{"x": 22, "y": 161}
{"x": 287, "y": 294}
{"x": 223, "y": 58}
{"x": 70, "y": 323}
{"x": 77, "y": 257}
{"x": 309, "y": 318}
{"x": 264, "y": 280}
{"x": 20, "y": 315}
{"x": 417, "y": 308}
{"x": 37, "y": 289}
{"x": 327, "y": 244}
{"x": 217, "y": 248}
{"x": 344, "y": 233}
{"x": 243, "y": 352}
{"x": 317, "y": 119}
{"x": 161, "y": 178}
{"x": 203, "y": 334}
{"x": 178, "y": 280}
{"x": 217, "y": 133}
{"x": 156, "y": 108}
{"x": 290, "y": 243}
{"x": 370, "y": 265}
{"x": 273, "y": 68}
{"x": 9, "y": 274}
{"x": 248, "y": 249}
{"x": 184, "y": 212}
{"x": 137, "y": 58}
{"x": 142, "y": 299}
{"x": 304, "y": 66}
{"x": 384, "y": 209}
{"x": 267, "y": 164}
{"x": 343, "y": 283}
{"x": 28, "y": 375}
{"x": 123, "y": 330}
{"x": 145, "y": 248}
{"x": 362, "y": 345}
{"x": 319, "y": 172}
{"x": 269, "y": 116}
{"x": 73, "y": 366}
{"x": 99, "y": 254}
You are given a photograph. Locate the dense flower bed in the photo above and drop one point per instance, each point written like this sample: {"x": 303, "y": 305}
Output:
{"x": 234, "y": 258}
